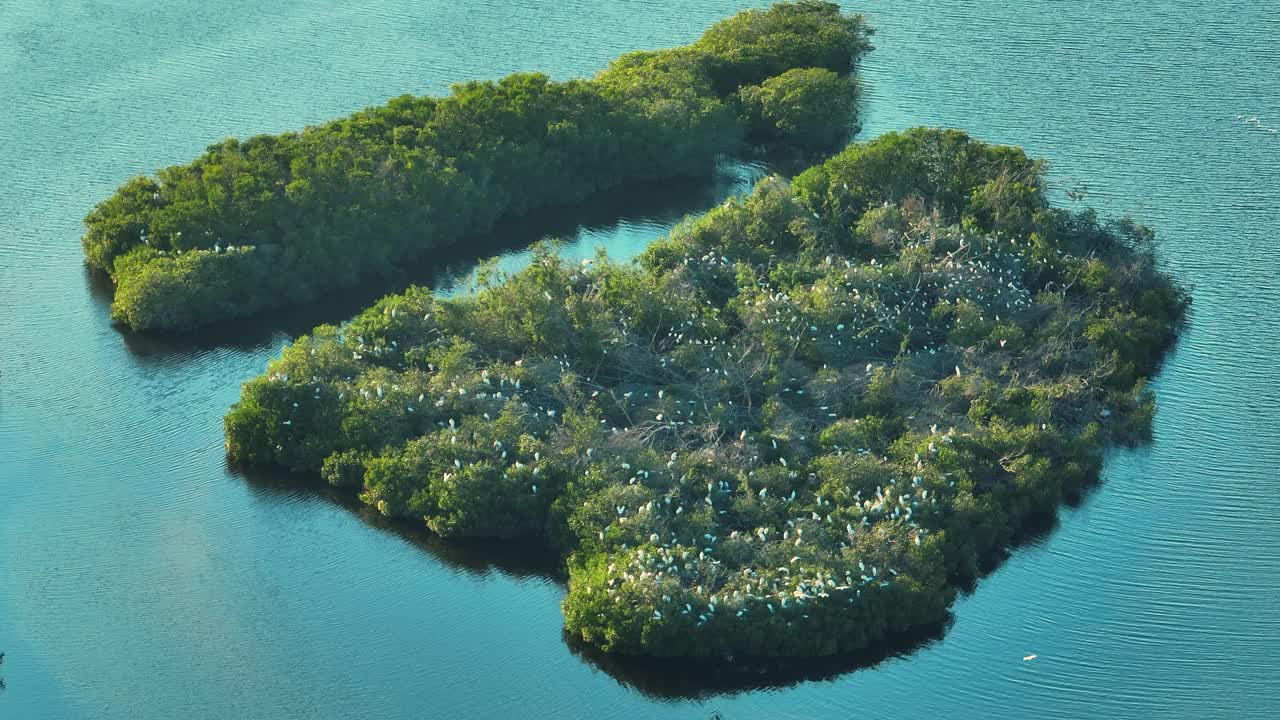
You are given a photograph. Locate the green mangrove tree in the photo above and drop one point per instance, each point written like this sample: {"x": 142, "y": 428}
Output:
{"x": 791, "y": 428}
{"x": 280, "y": 219}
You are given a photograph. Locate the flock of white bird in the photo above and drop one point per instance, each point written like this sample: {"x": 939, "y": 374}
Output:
{"x": 823, "y": 550}
{"x": 1256, "y": 123}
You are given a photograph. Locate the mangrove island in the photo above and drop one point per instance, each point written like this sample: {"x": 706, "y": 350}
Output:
{"x": 793, "y": 427}
{"x": 283, "y": 219}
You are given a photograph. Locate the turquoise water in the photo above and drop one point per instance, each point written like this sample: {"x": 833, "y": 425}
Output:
{"x": 140, "y": 577}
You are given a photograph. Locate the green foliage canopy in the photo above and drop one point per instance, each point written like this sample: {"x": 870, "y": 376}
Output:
{"x": 791, "y": 428}
{"x": 281, "y": 219}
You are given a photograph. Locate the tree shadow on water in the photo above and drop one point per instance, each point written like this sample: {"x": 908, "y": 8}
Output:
{"x": 689, "y": 679}
{"x": 604, "y": 216}
{"x": 481, "y": 556}
{"x": 662, "y": 678}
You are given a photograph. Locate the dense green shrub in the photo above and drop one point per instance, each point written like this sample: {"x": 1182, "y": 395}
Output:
{"x": 282, "y": 219}
{"x": 792, "y": 427}
{"x": 797, "y": 107}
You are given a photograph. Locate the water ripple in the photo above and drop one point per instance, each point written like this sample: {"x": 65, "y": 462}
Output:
{"x": 140, "y": 577}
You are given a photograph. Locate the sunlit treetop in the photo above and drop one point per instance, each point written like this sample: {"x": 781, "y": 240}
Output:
{"x": 282, "y": 219}
{"x": 790, "y": 428}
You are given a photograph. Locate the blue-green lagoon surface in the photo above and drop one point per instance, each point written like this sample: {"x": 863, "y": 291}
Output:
{"x": 141, "y": 577}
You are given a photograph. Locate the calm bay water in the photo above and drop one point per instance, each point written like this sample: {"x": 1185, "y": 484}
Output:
{"x": 140, "y": 577}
